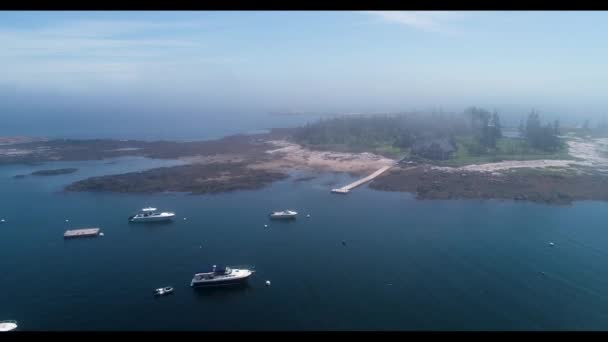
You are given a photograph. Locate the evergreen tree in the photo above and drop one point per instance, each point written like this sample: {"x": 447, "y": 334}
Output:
{"x": 541, "y": 137}
{"x": 497, "y": 126}
{"x": 521, "y": 128}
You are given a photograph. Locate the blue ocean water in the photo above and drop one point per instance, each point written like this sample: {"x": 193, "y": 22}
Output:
{"x": 407, "y": 264}
{"x": 154, "y": 127}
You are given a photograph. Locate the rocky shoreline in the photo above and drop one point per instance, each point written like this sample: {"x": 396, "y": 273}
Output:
{"x": 194, "y": 179}
{"x": 54, "y": 172}
{"x": 247, "y": 162}
{"x": 519, "y": 185}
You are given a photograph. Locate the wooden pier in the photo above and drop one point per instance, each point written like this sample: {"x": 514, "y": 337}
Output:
{"x": 76, "y": 233}
{"x": 346, "y": 189}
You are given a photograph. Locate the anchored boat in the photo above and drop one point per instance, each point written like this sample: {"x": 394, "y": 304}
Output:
{"x": 150, "y": 215}
{"x": 8, "y": 325}
{"x": 163, "y": 291}
{"x": 221, "y": 276}
{"x": 285, "y": 214}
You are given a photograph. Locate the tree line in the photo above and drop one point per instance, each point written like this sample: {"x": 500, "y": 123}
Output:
{"x": 539, "y": 136}
{"x": 399, "y": 130}
{"x": 406, "y": 130}
{"x": 485, "y": 126}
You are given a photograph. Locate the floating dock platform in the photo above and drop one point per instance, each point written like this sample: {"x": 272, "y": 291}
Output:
{"x": 76, "y": 233}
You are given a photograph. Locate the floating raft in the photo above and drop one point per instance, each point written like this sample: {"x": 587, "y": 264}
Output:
{"x": 86, "y": 232}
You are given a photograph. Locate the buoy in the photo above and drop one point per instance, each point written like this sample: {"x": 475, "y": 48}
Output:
{"x": 66, "y": 220}
{"x": 100, "y": 234}
{"x": 265, "y": 226}
{"x": 200, "y": 246}
{"x": 184, "y": 219}
{"x": 308, "y": 215}
{"x": 2, "y": 221}
{"x": 267, "y": 282}
{"x": 551, "y": 244}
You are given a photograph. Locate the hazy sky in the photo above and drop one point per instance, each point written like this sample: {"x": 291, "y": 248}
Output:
{"x": 202, "y": 62}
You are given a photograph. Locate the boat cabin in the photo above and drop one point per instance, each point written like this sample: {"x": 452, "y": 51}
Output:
{"x": 215, "y": 271}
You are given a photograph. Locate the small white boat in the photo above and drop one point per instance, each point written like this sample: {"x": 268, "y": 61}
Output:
{"x": 150, "y": 215}
{"x": 163, "y": 291}
{"x": 285, "y": 214}
{"x": 8, "y": 325}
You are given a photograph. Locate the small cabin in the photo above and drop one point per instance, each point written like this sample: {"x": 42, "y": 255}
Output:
{"x": 435, "y": 149}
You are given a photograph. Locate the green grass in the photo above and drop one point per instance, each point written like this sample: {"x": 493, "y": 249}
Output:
{"x": 471, "y": 152}
{"x": 384, "y": 149}
{"x": 391, "y": 151}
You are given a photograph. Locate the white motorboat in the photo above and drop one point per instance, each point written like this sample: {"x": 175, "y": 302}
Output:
{"x": 151, "y": 215}
{"x": 8, "y": 325}
{"x": 163, "y": 291}
{"x": 221, "y": 276}
{"x": 285, "y": 214}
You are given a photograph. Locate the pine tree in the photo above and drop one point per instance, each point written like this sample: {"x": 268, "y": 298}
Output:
{"x": 497, "y": 126}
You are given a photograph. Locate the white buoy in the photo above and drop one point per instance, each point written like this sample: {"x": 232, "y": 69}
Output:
{"x": 66, "y": 220}
{"x": 267, "y": 282}
{"x": 100, "y": 234}
{"x": 2, "y": 221}
{"x": 184, "y": 219}
{"x": 308, "y": 215}
{"x": 265, "y": 226}
{"x": 551, "y": 244}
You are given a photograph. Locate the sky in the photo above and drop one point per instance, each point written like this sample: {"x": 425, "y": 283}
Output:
{"x": 206, "y": 63}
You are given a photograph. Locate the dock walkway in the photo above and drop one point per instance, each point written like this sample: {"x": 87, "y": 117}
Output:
{"x": 346, "y": 189}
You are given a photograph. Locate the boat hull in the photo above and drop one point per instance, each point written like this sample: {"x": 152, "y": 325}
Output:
{"x": 285, "y": 217}
{"x": 222, "y": 282}
{"x": 151, "y": 219}
{"x": 228, "y": 282}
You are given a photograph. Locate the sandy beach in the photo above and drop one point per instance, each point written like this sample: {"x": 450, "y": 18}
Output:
{"x": 288, "y": 156}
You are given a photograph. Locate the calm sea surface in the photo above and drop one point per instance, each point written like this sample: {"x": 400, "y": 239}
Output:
{"x": 407, "y": 264}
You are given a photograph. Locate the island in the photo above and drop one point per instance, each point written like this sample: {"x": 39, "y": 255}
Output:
{"x": 433, "y": 155}
{"x": 198, "y": 178}
{"x": 54, "y": 172}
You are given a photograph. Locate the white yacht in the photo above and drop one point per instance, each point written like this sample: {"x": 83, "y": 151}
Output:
{"x": 221, "y": 276}
{"x": 285, "y": 214}
{"x": 8, "y": 325}
{"x": 150, "y": 215}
